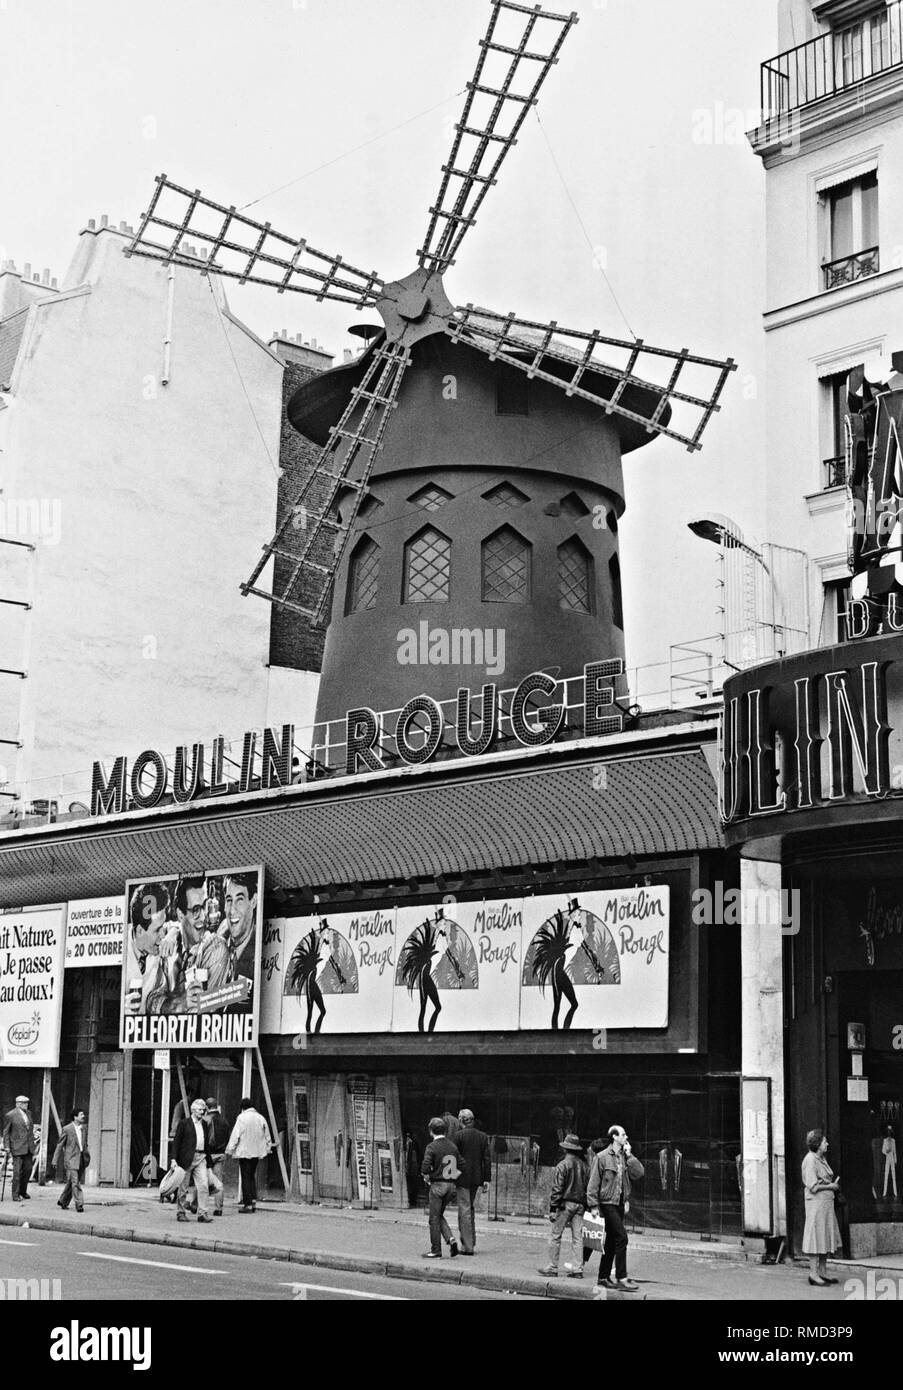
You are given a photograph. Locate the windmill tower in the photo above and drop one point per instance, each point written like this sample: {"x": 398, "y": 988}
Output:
{"x": 469, "y": 480}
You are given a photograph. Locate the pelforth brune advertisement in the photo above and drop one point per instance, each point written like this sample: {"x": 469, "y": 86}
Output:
{"x": 191, "y": 960}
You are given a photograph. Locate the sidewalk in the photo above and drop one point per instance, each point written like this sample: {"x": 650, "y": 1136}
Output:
{"x": 508, "y": 1256}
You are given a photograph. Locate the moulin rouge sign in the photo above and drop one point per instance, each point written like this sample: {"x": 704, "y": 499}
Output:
{"x": 814, "y": 730}
{"x": 269, "y": 760}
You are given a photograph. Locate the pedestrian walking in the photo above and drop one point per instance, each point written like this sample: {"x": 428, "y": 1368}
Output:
{"x": 19, "y": 1140}
{"x": 821, "y": 1235}
{"x": 440, "y": 1170}
{"x": 218, "y": 1134}
{"x": 191, "y": 1151}
{"x": 73, "y": 1150}
{"x": 249, "y": 1142}
{"x": 607, "y": 1192}
{"x": 567, "y": 1203}
{"x": 595, "y": 1147}
{"x": 476, "y": 1170}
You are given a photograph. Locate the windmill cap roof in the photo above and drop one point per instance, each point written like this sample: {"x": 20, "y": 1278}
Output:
{"x": 318, "y": 404}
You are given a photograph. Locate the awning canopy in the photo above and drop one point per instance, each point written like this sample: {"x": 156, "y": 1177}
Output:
{"x": 656, "y": 804}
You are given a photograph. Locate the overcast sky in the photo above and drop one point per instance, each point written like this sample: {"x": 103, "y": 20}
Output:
{"x": 239, "y": 97}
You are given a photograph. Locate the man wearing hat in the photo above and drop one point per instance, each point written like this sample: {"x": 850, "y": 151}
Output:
{"x": 567, "y": 1204}
{"x": 19, "y": 1139}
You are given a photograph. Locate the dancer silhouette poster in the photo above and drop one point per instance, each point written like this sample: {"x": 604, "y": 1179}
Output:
{"x": 337, "y": 972}
{"x": 596, "y": 960}
{"x": 457, "y": 967}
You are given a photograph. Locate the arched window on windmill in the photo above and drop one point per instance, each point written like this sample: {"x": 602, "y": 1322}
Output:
{"x": 575, "y": 577}
{"x": 427, "y": 567}
{"x": 506, "y": 567}
{"x": 363, "y": 576}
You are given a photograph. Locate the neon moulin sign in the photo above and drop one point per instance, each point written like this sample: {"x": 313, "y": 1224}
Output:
{"x": 372, "y": 741}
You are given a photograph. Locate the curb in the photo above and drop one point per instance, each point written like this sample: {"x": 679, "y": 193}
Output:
{"x": 318, "y": 1259}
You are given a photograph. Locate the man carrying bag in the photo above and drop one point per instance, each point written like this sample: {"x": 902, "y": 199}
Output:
{"x": 606, "y": 1193}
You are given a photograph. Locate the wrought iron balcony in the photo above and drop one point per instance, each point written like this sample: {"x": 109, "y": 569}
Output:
{"x": 848, "y": 269}
{"x": 832, "y": 62}
{"x": 835, "y": 471}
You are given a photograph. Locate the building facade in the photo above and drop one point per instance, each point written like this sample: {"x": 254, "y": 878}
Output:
{"x": 810, "y": 752}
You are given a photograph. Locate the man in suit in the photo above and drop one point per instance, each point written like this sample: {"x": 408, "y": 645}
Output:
{"x": 476, "y": 1170}
{"x": 73, "y": 1150}
{"x": 191, "y": 1151}
{"x": 19, "y": 1139}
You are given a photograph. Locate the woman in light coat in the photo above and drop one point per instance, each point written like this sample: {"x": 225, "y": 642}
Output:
{"x": 249, "y": 1142}
{"x": 821, "y": 1236}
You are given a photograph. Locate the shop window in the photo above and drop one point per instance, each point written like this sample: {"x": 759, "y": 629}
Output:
{"x": 431, "y": 497}
{"x": 363, "y": 576}
{"x": 506, "y": 567}
{"x": 427, "y": 567}
{"x": 575, "y": 577}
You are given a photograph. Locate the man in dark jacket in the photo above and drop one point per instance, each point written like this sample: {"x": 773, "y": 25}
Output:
{"x": 476, "y": 1170}
{"x": 567, "y": 1204}
{"x": 191, "y": 1151}
{"x": 19, "y": 1139}
{"x": 607, "y": 1191}
{"x": 218, "y": 1131}
{"x": 440, "y": 1169}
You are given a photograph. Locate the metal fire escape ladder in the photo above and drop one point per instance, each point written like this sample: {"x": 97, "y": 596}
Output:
{"x": 372, "y": 402}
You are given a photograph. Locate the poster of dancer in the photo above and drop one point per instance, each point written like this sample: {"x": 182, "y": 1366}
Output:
{"x": 337, "y": 972}
{"x": 598, "y": 960}
{"x": 457, "y": 967}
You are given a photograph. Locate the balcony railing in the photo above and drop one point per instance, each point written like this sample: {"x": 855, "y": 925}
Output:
{"x": 848, "y": 269}
{"x": 835, "y": 471}
{"x": 832, "y": 62}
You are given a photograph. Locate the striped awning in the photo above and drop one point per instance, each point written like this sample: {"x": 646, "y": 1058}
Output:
{"x": 650, "y": 804}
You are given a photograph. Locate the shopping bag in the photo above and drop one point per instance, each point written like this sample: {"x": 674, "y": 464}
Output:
{"x": 172, "y": 1180}
{"x": 593, "y": 1231}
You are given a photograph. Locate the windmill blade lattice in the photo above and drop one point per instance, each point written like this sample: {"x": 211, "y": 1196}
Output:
{"x": 302, "y": 577}
{"x": 483, "y": 140}
{"x": 243, "y": 249}
{"x": 536, "y": 348}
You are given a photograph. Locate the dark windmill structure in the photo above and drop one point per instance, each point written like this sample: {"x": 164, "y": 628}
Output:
{"x": 470, "y": 470}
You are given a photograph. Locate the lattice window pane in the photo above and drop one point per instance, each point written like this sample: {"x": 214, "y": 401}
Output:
{"x": 431, "y": 497}
{"x": 506, "y": 568}
{"x": 427, "y": 568}
{"x": 574, "y": 575}
{"x": 506, "y": 495}
{"x": 363, "y": 580}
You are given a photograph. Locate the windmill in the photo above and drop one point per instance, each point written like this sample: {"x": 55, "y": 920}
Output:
{"x": 647, "y": 391}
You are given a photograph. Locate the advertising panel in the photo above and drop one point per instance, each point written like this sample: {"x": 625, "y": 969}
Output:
{"x": 94, "y": 932}
{"x": 32, "y": 945}
{"x": 191, "y": 962}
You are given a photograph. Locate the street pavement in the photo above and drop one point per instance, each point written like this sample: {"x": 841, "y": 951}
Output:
{"x": 389, "y": 1245}
{"x": 86, "y": 1268}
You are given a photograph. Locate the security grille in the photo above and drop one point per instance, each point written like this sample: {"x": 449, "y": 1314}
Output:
{"x": 431, "y": 498}
{"x": 506, "y": 568}
{"x": 427, "y": 567}
{"x": 574, "y": 577}
{"x": 506, "y": 495}
{"x": 364, "y": 579}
